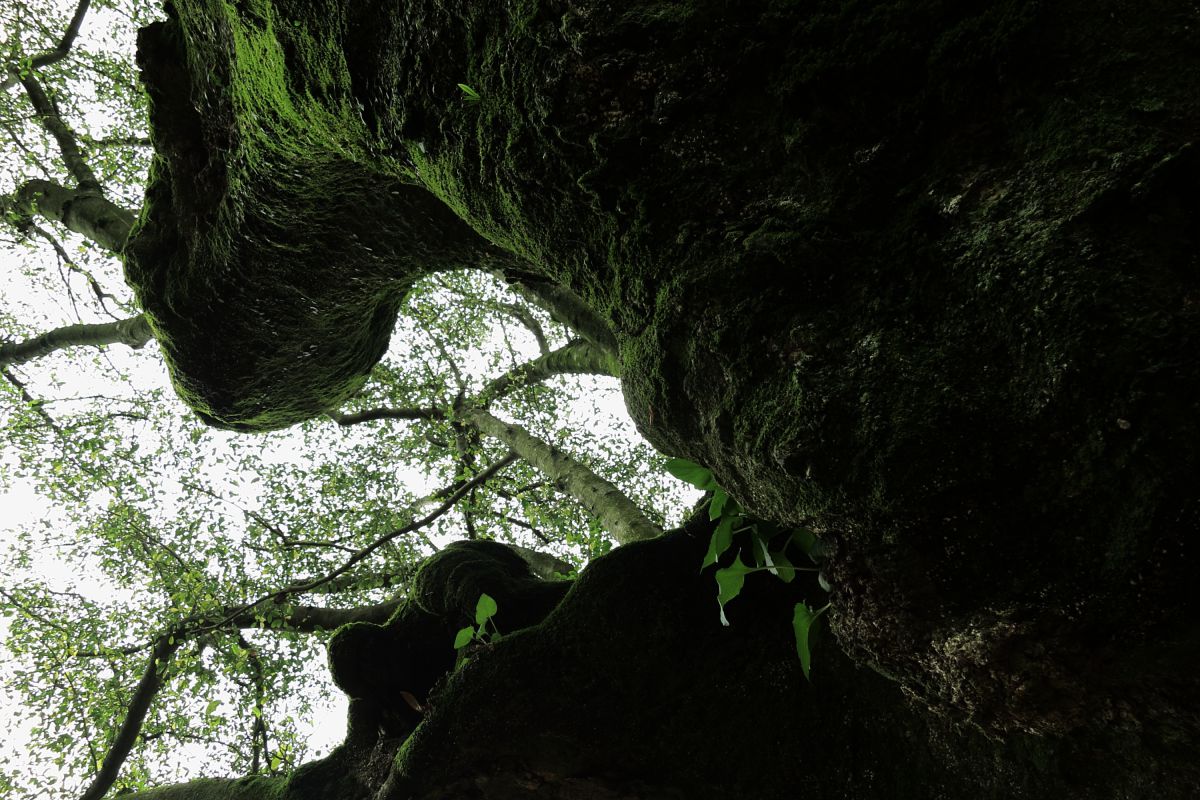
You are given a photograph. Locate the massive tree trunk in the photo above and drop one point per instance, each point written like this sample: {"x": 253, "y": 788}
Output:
{"x": 920, "y": 274}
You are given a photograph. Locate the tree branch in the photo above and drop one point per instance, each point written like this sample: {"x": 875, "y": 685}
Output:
{"x": 370, "y": 415}
{"x": 80, "y": 210}
{"x": 133, "y": 332}
{"x": 566, "y": 308}
{"x": 616, "y": 512}
{"x": 301, "y": 588}
{"x": 522, "y": 315}
{"x": 34, "y": 404}
{"x": 48, "y": 57}
{"x": 68, "y": 142}
{"x": 135, "y": 715}
{"x": 579, "y": 357}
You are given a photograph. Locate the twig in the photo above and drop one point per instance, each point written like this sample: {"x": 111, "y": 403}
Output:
{"x": 49, "y": 57}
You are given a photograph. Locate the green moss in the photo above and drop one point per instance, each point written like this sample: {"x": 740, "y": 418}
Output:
{"x": 249, "y": 788}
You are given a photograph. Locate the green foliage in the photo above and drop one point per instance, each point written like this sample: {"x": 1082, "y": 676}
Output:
{"x": 484, "y": 631}
{"x": 469, "y": 94}
{"x": 766, "y": 544}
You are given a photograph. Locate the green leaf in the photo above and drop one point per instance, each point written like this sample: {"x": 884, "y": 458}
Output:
{"x": 803, "y": 620}
{"x": 721, "y": 539}
{"x": 729, "y": 584}
{"x": 784, "y": 567}
{"x": 692, "y": 473}
{"x": 762, "y": 556}
{"x": 484, "y": 609}
{"x": 211, "y": 707}
{"x": 463, "y": 637}
{"x": 468, "y": 92}
{"x": 718, "y": 503}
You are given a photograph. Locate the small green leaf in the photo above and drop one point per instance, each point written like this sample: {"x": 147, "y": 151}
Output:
{"x": 718, "y": 503}
{"x": 212, "y": 706}
{"x": 468, "y": 93}
{"x": 729, "y": 584}
{"x": 276, "y": 763}
{"x": 692, "y": 473}
{"x": 721, "y": 539}
{"x": 803, "y": 620}
{"x": 783, "y": 567}
{"x": 463, "y": 637}
{"x": 484, "y": 609}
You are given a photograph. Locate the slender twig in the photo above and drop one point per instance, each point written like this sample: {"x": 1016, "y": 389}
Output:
{"x": 451, "y": 501}
{"x": 29, "y": 399}
{"x": 520, "y": 523}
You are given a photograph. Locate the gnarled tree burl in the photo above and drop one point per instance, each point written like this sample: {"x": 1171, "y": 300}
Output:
{"x": 920, "y": 274}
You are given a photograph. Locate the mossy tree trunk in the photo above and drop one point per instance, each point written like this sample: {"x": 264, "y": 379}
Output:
{"x": 921, "y": 275}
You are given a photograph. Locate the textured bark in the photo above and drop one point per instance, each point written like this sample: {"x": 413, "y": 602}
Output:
{"x": 920, "y": 274}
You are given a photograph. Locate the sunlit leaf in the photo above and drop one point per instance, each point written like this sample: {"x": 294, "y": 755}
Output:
{"x": 485, "y": 609}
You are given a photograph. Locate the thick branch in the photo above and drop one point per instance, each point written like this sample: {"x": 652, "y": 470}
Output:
{"x": 80, "y": 210}
{"x": 306, "y": 619}
{"x": 164, "y": 648}
{"x": 623, "y": 519}
{"x": 370, "y": 415}
{"x": 566, "y": 308}
{"x": 50, "y": 56}
{"x": 576, "y": 358}
{"x": 544, "y": 565}
{"x": 133, "y": 332}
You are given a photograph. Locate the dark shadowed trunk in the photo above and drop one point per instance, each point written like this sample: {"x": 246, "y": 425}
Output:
{"x": 921, "y": 275}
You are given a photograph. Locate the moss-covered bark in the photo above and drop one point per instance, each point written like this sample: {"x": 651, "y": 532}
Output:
{"x": 920, "y": 273}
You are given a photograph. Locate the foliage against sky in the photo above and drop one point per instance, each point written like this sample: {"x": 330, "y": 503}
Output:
{"x": 153, "y": 527}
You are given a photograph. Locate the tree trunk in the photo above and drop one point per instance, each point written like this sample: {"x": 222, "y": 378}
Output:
{"x": 922, "y": 276}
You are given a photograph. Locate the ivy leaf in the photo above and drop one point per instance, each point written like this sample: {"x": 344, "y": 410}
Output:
{"x": 692, "y": 473}
{"x": 783, "y": 567}
{"x": 484, "y": 609}
{"x": 803, "y": 620}
{"x": 718, "y": 503}
{"x": 463, "y": 637}
{"x": 729, "y": 584}
{"x": 721, "y": 539}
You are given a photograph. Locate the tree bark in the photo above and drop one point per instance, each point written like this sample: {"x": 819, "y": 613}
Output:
{"x": 921, "y": 276}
